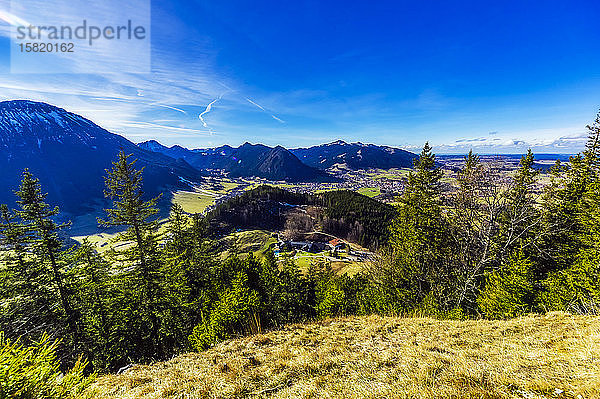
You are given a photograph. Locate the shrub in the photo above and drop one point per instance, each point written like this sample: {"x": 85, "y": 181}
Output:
{"x": 330, "y": 299}
{"x": 508, "y": 292}
{"x": 576, "y": 288}
{"x": 236, "y": 310}
{"x": 28, "y": 372}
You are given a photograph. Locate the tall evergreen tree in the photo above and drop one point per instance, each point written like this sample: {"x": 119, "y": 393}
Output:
{"x": 592, "y": 147}
{"x": 565, "y": 200}
{"x": 471, "y": 229}
{"x": 21, "y": 288}
{"x": 424, "y": 182}
{"x": 38, "y": 217}
{"x": 573, "y": 210}
{"x": 14, "y": 236}
{"x": 124, "y": 187}
{"x": 143, "y": 266}
{"x": 416, "y": 272}
{"x": 520, "y": 222}
{"x": 94, "y": 300}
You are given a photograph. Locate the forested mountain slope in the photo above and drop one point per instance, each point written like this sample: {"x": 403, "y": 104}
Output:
{"x": 69, "y": 155}
{"x": 346, "y": 214}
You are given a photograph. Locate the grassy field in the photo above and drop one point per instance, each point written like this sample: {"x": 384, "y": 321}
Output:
{"x": 193, "y": 202}
{"x": 350, "y": 268}
{"x": 101, "y": 240}
{"x": 255, "y": 241}
{"x": 341, "y": 266}
{"x": 552, "y": 356}
{"x": 370, "y": 191}
{"x": 227, "y": 186}
{"x": 391, "y": 174}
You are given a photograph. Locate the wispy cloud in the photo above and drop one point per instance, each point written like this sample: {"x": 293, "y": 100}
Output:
{"x": 565, "y": 143}
{"x": 12, "y": 19}
{"x": 265, "y": 110}
{"x": 470, "y": 140}
{"x": 138, "y": 131}
{"x": 159, "y": 126}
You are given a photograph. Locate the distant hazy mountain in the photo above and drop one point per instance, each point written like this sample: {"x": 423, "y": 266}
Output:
{"x": 354, "y": 155}
{"x": 176, "y": 151}
{"x": 245, "y": 161}
{"x": 69, "y": 154}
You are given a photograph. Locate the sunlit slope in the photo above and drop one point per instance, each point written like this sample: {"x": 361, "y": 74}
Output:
{"x": 552, "y": 356}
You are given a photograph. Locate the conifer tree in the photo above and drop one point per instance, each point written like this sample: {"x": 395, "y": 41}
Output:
{"x": 592, "y": 147}
{"x": 177, "y": 224}
{"x": 574, "y": 282}
{"x": 124, "y": 187}
{"x": 424, "y": 182}
{"x": 470, "y": 217}
{"x": 14, "y": 237}
{"x": 417, "y": 267}
{"x": 565, "y": 200}
{"x": 143, "y": 287}
{"x": 26, "y": 300}
{"x": 509, "y": 291}
{"x": 94, "y": 297}
{"x": 38, "y": 216}
{"x": 520, "y": 221}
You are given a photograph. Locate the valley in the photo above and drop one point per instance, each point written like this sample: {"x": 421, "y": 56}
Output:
{"x": 202, "y": 249}
{"x": 299, "y": 199}
{"x": 383, "y": 185}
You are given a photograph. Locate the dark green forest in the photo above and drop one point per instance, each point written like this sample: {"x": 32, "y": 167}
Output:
{"x": 496, "y": 246}
{"x": 346, "y": 214}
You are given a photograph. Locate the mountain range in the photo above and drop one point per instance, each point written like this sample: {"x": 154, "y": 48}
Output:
{"x": 278, "y": 163}
{"x": 354, "y": 156}
{"x": 69, "y": 154}
{"x": 247, "y": 160}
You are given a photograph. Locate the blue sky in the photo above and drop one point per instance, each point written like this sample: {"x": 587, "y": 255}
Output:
{"x": 495, "y": 76}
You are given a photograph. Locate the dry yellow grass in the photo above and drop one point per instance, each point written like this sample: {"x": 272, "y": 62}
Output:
{"x": 551, "y": 356}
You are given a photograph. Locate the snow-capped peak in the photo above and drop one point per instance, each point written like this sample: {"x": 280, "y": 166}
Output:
{"x": 23, "y": 121}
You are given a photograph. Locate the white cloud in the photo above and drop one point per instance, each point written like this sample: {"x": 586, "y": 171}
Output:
{"x": 161, "y": 127}
{"x": 538, "y": 141}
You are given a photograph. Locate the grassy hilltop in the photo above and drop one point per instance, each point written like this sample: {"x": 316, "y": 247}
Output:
{"x": 552, "y": 356}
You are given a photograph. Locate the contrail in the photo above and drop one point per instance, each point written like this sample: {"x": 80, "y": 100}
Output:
{"x": 264, "y": 110}
{"x": 162, "y": 127}
{"x": 206, "y": 111}
{"x": 277, "y": 119}
{"x": 258, "y": 105}
{"x": 125, "y": 98}
{"x": 173, "y": 108}
{"x": 209, "y": 108}
{"x": 12, "y": 19}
